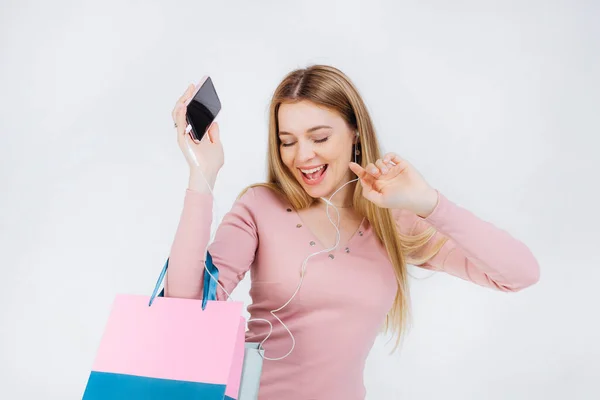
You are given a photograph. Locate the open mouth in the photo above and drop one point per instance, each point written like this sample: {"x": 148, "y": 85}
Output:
{"x": 315, "y": 175}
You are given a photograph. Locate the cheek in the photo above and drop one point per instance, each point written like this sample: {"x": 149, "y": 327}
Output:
{"x": 287, "y": 156}
{"x": 336, "y": 154}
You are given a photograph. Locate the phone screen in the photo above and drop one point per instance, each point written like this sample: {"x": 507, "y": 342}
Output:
{"x": 202, "y": 109}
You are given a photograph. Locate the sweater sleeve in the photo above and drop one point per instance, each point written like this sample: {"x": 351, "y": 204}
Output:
{"x": 476, "y": 250}
{"x": 232, "y": 250}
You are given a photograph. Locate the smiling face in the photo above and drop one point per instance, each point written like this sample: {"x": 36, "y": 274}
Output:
{"x": 316, "y": 146}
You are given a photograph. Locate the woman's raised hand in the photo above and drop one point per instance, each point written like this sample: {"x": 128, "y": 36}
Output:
{"x": 206, "y": 157}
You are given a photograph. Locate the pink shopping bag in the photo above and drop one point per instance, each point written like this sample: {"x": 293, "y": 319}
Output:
{"x": 169, "y": 348}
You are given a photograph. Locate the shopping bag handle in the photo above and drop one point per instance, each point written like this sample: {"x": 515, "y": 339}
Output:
{"x": 210, "y": 282}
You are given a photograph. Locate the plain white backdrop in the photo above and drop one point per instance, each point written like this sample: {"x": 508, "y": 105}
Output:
{"x": 495, "y": 102}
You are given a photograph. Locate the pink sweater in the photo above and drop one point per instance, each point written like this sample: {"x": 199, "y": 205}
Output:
{"x": 344, "y": 299}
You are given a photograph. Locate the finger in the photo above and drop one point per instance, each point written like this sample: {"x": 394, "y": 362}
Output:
{"x": 368, "y": 190}
{"x": 187, "y": 94}
{"x": 365, "y": 178}
{"x": 392, "y": 157}
{"x": 213, "y": 133}
{"x": 180, "y": 119}
{"x": 382, "y": 167}
{"x": 184, "y": 97}
{"x": 358, "y": 170}
{"x": 399, "y": 166}
{"x": 373, "y": 170}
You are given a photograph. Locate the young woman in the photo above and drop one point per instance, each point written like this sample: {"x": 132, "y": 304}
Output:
{"x": 320, "y": 138}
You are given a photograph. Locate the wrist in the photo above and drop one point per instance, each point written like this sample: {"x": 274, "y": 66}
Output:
{"x": 202, "y": 181}
{"x": 427, "y": 203}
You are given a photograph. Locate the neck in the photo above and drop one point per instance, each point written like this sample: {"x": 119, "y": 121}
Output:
{"x": 345, "y": 205}
{"x": 342, "y": 198}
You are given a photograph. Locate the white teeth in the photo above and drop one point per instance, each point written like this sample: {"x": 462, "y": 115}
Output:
{"x": 310, "y": 171}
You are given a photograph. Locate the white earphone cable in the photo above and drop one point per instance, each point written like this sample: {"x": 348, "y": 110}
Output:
{"x": 303, "y": 270}
{"x": 304, "y": 263}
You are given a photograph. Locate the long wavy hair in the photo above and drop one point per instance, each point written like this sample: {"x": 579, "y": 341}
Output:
{"x": 329, "y": 87}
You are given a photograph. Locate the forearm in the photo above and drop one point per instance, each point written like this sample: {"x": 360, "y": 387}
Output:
{"x": 186, "y": 261}
{"x": 490, "y": 250}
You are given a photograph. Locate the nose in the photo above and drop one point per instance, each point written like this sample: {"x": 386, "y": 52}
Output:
{"x": 305, "y": 152}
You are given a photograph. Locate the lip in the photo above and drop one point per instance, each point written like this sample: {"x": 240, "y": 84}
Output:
{"x": 316, "y": 181}
{"x": 310, "y": 166}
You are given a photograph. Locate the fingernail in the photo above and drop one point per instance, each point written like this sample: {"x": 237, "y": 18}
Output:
{"x": 373, "y": 170}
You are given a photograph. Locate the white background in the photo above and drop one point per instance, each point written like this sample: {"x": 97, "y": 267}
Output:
{"x": 495, "y": 102}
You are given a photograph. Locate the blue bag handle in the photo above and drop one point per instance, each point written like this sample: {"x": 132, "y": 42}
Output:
{"x": 210, "y": 284}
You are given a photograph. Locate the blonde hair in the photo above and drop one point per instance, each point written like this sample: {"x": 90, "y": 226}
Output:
{"x": 329, "y": 87}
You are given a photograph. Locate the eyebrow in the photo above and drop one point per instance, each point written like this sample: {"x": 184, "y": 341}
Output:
{"x": 314, "y": 128}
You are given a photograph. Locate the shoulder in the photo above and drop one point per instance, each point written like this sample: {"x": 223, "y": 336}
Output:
{"x": 262, "y": 197}
{"x": 262, "y": 206}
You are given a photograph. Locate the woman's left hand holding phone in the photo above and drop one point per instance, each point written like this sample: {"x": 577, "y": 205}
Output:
{"x": 205, "y": 158}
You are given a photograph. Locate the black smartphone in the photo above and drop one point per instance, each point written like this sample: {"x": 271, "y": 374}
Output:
{"x": 202, "y": 108}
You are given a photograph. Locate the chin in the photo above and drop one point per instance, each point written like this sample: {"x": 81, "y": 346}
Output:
{"x": 317, "y": 192}
{"x": 322, "y": 189}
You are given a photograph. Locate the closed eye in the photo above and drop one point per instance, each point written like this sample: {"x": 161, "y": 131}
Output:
{"x": 316, "y": 141}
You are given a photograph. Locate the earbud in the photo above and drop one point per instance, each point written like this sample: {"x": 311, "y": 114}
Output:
{"x": 356, "y": 143}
